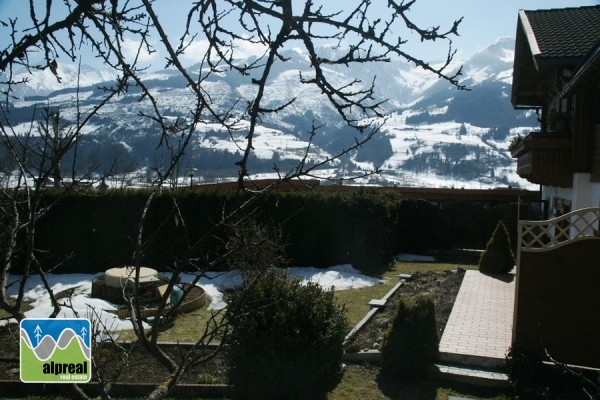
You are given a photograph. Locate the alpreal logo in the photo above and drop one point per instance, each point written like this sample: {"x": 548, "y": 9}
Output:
{"x": 55, "y": 350}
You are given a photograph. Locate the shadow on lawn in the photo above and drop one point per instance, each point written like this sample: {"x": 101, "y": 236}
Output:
{"x": 406, "y": 389}
{"x": 431, "y": 389}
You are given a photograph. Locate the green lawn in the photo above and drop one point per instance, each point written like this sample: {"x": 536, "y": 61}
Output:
{"x": 188, "y": 327}
{"x": 362, "y": 382}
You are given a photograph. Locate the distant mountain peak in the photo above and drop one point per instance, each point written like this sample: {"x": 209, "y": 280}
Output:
{"x": 434, "y": 129}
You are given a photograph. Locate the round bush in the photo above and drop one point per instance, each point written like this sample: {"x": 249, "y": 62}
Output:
{"x": 286, "y": 340}
{"x": 411, "y": 343}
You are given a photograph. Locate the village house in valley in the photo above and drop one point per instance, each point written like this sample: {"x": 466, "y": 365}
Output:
{"x": 557, "y": 74}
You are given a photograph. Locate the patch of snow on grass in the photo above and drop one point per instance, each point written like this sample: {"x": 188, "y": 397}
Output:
{"x": 340, "y": 277}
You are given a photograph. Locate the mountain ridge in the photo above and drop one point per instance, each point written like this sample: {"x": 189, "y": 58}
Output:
{"x": 451, "y": 137}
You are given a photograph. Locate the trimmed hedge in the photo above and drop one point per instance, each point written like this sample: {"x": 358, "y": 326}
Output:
{"x": 91, "y": 232}
{"x": 329, "y": 229}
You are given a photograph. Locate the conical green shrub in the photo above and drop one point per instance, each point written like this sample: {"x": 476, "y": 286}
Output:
{"x": 497, "y": 257}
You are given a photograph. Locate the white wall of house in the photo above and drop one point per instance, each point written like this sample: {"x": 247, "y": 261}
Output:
{"x": 595, "y": 188}
{"x": 582, "y": 191}
{"x": 583, "y": 194}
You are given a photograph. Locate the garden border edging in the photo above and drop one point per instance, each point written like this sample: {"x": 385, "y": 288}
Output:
{"x": 371, "y": 355}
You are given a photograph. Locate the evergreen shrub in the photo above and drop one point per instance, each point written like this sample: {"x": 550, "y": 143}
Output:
{"x": 497, "y": 258}
{"x": 286, "y": 341}
{"x": 411, "y": 343}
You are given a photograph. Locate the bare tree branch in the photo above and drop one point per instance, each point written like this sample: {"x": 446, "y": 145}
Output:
{"x": 104, "y": 29}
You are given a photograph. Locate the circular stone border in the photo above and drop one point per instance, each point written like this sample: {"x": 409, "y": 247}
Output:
{"x": 118, "y": 277}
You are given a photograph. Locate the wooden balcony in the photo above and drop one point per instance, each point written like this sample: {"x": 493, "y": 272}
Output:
{"x": 545, "y": 159}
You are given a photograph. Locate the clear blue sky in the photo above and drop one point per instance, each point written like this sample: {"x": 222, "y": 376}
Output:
{"x": 484, "y": 20}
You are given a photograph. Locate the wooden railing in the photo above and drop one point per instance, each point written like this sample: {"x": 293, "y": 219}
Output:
{"x": 537, "y": 236}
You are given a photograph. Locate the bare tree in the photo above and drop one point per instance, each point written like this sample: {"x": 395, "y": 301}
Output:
{"x": 36, "y": 156}
{"x": 57, "y": 31}
{"x": 361, "y": 37}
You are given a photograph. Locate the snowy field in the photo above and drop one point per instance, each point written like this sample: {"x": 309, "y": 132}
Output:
{"x": 342, "y": 277}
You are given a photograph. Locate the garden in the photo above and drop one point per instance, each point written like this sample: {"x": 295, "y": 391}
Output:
{"x": 305, "y": 317}
{"x": 363, "y": 380}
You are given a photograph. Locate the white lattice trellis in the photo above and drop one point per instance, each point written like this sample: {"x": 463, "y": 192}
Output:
{"x": 546, "y": 235}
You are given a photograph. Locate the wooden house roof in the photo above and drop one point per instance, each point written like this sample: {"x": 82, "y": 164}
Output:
{"x": 550, "y": 45}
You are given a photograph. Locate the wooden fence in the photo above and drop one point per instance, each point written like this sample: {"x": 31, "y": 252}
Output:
{"x": 557, "y": 302}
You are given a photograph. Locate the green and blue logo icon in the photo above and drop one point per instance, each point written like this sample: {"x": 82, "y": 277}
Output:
{"x": 55, "y": 350}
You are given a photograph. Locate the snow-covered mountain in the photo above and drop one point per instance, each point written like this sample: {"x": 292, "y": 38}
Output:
{"x": 435, "y": 135}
